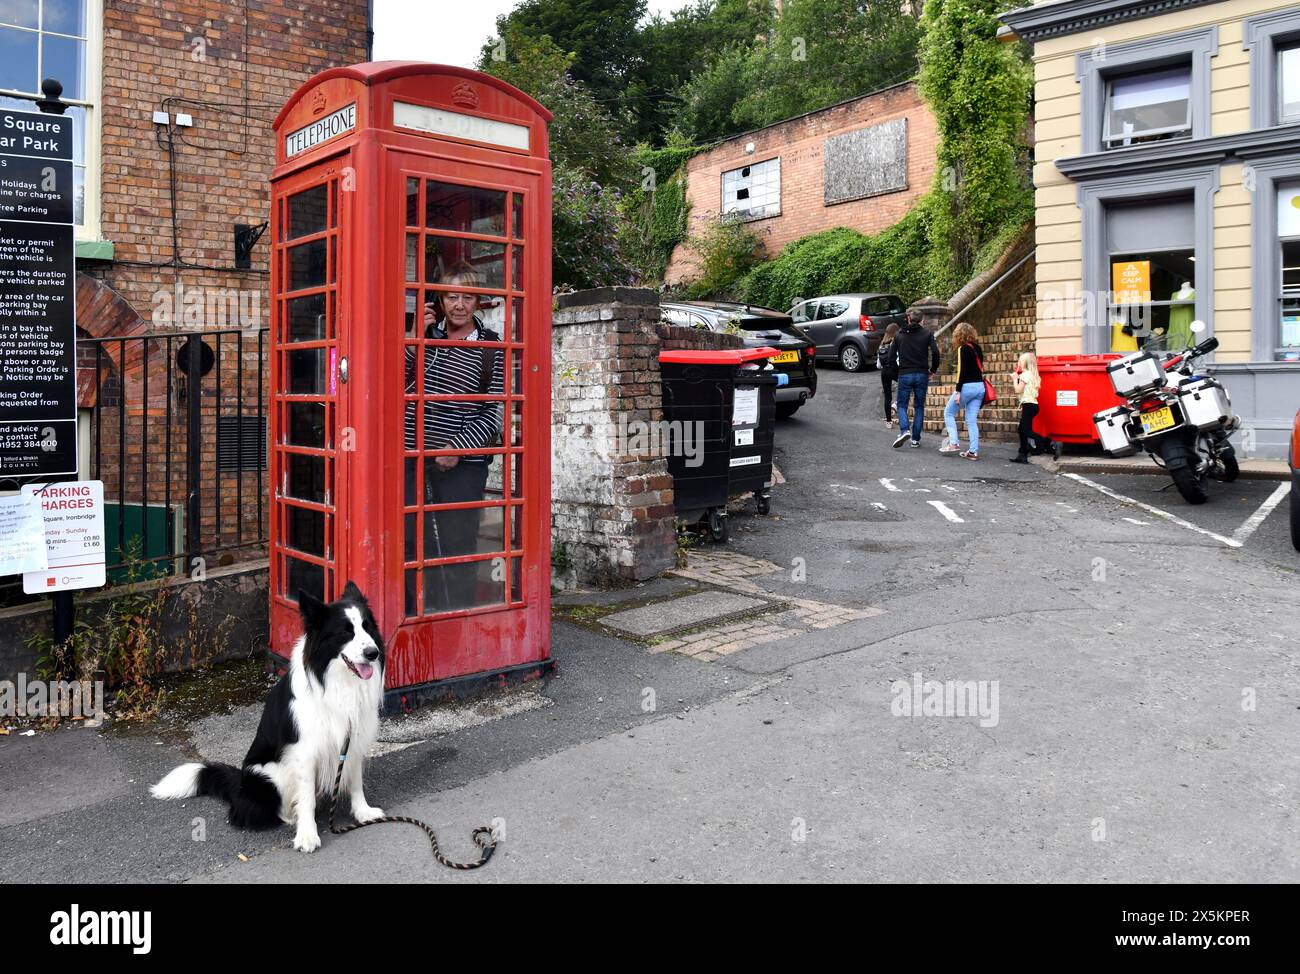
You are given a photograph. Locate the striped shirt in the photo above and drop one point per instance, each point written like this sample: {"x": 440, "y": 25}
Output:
{"x": 457, "y": 371}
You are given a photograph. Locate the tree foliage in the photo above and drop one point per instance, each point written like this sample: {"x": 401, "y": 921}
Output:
{"x": 979, "y": 90}
{"x": 817, "y": 53}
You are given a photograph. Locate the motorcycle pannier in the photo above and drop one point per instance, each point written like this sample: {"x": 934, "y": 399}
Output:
{"x": 1110, "y": 427}
{"x": 1136, "y": 373}
{"x": 1206, "y": 403}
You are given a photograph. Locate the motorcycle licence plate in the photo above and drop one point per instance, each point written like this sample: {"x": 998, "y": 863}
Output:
{"x": 1160, "y": 419}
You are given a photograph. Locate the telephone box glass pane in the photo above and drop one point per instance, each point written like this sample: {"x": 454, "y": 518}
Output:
{"x": 517, "y": 321}
{"x": 516, "y": 581}
{"x": 488, "y": 260}
{"x": 306, "y": 266}
{"x": 465, "y": 209}
{"x": 517, "y": 267}
{"x": 306, "y": 318}
{"x": 306, "y": 425}
{"x": 412, "y": 201}
{"x": 308, "y": 211}
{"x": 305, "y": 576}
{"x": 306, "y": 480}
{"x": 305, "y": 530}
{"x": 516, "y": 424}
{"x": 491, "y": 530}
{"x": 307, "y": 371}
{"x": 517, "y": 217}
{"x": 412, "y": 257}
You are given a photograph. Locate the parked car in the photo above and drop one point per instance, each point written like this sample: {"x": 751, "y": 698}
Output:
{"x": 1295, "y": 482}
{"x": 758, "y": 327}
{"x": 849, "y": 327}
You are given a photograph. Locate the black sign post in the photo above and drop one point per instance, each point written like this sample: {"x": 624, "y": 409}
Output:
{"x": 38, "y": 296}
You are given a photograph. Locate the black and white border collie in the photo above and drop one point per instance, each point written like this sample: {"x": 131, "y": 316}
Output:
{"x": 332, "y": 691}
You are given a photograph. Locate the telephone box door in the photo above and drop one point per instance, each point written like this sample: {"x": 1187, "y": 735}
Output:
{"x": 311, "y": 408}
{"x": 467, "y": 474}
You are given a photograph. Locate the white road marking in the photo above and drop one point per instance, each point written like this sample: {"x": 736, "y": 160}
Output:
{"x": 1133, "y": 520}
{"x": 1173, "y": 518}
{"x": 888, "y": 484}
{"x": 953, "y": 489}
{"x": 879, "y": 506}
{"x": 946, "y": 511}
{"x": 1265, "y": 509}
{"x": 921, "y": 490}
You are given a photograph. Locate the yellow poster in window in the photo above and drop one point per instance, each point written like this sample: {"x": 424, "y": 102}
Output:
{"x": 1131, "y": 281}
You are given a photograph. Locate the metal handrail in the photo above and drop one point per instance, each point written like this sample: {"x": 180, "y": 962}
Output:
{"x": 983, "y": 294}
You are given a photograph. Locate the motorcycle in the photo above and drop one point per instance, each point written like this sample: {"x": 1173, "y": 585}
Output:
{"x": 1181, "y": 418}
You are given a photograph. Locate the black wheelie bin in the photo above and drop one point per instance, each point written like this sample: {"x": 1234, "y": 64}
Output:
{"x": 720, "y": 407}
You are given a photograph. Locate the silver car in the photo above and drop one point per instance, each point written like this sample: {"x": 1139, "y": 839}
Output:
{"x": 849, "y": 327}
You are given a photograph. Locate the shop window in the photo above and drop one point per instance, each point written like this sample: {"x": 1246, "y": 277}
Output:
{"x": 1153, "y": 301}
{"x": 753, "y": 192}
{"x": 1287, "y": 347}
{"x": 1148, "y": 107}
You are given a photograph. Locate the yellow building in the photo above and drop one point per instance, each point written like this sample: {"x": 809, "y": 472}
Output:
{"x": 1167, "y": 179}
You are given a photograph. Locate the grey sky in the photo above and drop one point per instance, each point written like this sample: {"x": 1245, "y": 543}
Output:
{"x": 447, "y": 31}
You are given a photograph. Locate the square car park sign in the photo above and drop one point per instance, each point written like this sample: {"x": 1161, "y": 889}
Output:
{"x": 74, "y": 536}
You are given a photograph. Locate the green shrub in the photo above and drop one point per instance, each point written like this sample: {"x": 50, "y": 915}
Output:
{"x": 589, "y": 235}
{"x": 725, "y": 251}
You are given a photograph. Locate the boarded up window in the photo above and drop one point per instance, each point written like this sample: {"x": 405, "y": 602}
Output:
{"x": 866, "y": 162}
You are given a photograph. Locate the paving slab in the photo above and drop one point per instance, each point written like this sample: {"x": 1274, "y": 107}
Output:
{"x": 691, "y": 610}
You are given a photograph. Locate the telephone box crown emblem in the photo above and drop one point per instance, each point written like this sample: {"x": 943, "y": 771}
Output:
{"x": 317, "y": 102}
{"x": 465, "y": 94}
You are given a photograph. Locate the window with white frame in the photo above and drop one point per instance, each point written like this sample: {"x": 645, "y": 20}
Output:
{"x": 1148, "y": 107}
{"x": 1288, "y": 83}
{"x": 58, "y": 39}
{"x": 753, "y": 192}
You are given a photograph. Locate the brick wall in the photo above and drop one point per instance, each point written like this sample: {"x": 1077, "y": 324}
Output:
{"x": 612, "y": 517}
{"x": 233, "y": 78}
{"x": 798, "y": 142}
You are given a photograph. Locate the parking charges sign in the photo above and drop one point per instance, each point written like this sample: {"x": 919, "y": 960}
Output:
{"x": 38, "y": 296}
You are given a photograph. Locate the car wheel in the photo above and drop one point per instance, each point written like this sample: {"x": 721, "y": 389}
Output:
{"x": 851, "y": 358}
{"x": 784, "y": 410}
{"x": 1295, "y": 513}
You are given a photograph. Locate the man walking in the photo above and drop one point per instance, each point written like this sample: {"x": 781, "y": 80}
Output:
{"x": 916, "y": 356}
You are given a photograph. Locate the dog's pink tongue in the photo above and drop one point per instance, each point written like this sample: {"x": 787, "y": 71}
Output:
{"x": 364, "y": 670}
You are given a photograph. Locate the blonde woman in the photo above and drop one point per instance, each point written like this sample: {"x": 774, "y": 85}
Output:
{"x": 969, "y": 394}
{"x": 1027, "y": 383}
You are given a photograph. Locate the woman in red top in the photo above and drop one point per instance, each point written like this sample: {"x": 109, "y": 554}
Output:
{"x": 969, "y": 394}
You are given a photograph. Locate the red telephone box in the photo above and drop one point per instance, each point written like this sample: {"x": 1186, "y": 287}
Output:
{"x": 411, "y": 368}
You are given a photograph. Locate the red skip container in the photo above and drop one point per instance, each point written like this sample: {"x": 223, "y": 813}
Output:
{"x": 1075, "y": 387}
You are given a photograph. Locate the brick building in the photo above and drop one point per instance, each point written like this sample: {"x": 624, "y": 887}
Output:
{"x": 860, "y": 164}
{"x": 172, "y": 105}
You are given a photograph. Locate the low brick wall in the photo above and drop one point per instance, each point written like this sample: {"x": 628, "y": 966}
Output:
{"x": 612, "y": 517}
{"x": 221, "y": 618}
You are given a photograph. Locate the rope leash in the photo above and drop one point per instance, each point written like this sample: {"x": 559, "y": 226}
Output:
{"x": 482, "y": 835}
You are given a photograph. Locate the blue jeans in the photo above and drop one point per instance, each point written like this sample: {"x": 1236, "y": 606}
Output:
{"x": 972, "y": 398}
{"x": 912, "y": 385}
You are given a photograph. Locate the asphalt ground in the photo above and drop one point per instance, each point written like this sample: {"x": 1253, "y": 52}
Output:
{"x": 1149, "y": 707}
